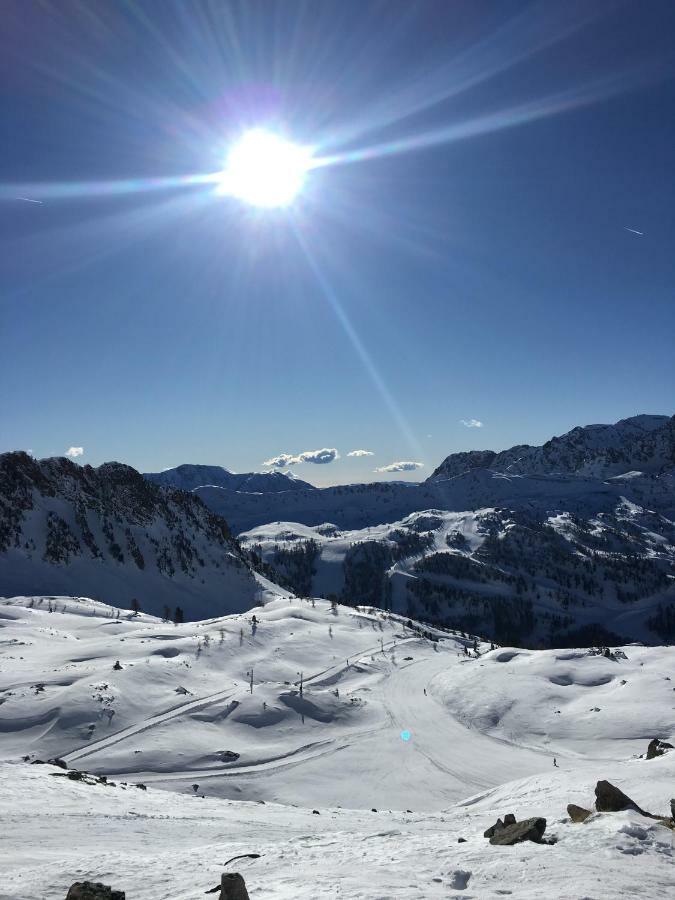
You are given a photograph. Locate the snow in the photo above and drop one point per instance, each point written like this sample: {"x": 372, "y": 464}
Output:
{"x": 483, "y": 733}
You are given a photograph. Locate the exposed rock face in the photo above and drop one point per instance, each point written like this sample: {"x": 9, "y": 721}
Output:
{"x": 527, "y": 830}
{"x": 609, "y": 798}
{"x": 657, "y": 748}
{"x": 578, "y": 813}
{"x": 93, "y": 890}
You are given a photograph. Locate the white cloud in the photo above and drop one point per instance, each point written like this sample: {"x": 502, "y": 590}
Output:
{"x": 404, "y": 466}
{"x": 318, "y": 457}
{"x": 74, "y": 452}
{"x": 360, "y": 453}
{"x": 471, "y": 423}
{"x": 281, "y": 461}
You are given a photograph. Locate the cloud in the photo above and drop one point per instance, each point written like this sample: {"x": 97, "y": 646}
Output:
{"x": 471, "y": 423}
{"x": 360, "y": 453}
{"x": 318, "y": 457}
{"x": 74, "y": 452}
{"x": 400, "y": 467}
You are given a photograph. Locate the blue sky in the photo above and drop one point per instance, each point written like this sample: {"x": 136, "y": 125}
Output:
{"x": 465, "y": 256}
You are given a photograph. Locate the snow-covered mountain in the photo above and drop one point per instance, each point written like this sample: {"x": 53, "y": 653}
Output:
{"x": 584, "y": 472}
{"x": 188, "y": 477}
{"x": 110, "y": 533}
{"x": 517, "y": 576}
{"x": 398, "y": 752}
{"x": 641, "y": 443}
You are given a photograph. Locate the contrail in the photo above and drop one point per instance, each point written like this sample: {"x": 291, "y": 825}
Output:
{"x": 634, "y": 231}
{"x": 29, "y": 200}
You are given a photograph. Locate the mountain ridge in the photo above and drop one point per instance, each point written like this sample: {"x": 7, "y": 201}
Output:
{"x": 595, "y": 450}
{"x": 110, "y": 532}
{"x": 189, "y": 476}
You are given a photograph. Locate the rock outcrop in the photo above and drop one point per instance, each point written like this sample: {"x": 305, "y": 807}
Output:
{"x": 658, "y": 748}
{"x": 608, "y": 798}
{"x": 508, "y": 831}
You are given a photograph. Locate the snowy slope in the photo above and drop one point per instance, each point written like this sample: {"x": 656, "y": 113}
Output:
{"x": 182, "y": 701}
{"x": 481, "y": 736}
{"x": 109, "y": 533}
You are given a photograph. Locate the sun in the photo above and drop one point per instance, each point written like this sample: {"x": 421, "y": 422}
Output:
{"x": 265, "y": 170}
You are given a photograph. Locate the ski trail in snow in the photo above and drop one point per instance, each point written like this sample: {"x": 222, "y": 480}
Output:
{"x": 161, "y": 718}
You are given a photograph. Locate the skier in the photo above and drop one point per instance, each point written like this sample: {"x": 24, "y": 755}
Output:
{"x": 555, "y": 763}
{"x": 425, "y": 692}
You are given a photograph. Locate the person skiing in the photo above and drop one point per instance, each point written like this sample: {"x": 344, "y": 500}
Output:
{"x": 555, "y": 762}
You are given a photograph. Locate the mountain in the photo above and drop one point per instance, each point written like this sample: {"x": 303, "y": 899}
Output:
{"x": 642, "y": 443}
{"x": 110, "y": 533}
{"x": 188, "y": 477}
{"x": 517, "y": 576}
{"x": 583, "y": 472}
{"x": 400, "y": 750}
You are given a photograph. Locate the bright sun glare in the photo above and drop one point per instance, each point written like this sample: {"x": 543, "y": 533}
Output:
{"x": 266, "y": 170}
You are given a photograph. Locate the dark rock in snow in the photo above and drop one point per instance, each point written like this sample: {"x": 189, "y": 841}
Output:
{"x": 527, "y": 830}
{"x": 93, "y": 890}
{"x": 227, "y": 755}
{"x": 58, "y": 762}
{"x": 493, "y": 828}
{"x": 509, "y": 819}
{"x": 233, "y": 887}
{"x": 609, "y": 798}
{"x": 577, "y": 813}
{"x": 655, "y": 748}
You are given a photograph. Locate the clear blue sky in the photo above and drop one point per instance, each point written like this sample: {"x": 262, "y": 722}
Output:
{"x": 466, "y": 256}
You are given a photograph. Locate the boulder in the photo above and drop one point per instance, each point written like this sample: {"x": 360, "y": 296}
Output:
{"x": 672, "y": 810}
{"x": 493, "y": 828}
{"x": 93, "y": 890}
{"x": 609, "y": 798}
{"x": 58, "y": 762}
{"x": 509, "y": 819}
{"x": 233, "y": 887}
{"x": 527, "y": 830}
{"x": 655, "y": 748}
{"x": 577, "y": 813}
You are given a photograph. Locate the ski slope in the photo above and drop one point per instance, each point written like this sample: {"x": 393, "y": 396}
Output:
{"x": 408, "y": 723}
{"x": 400, "y": 743}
